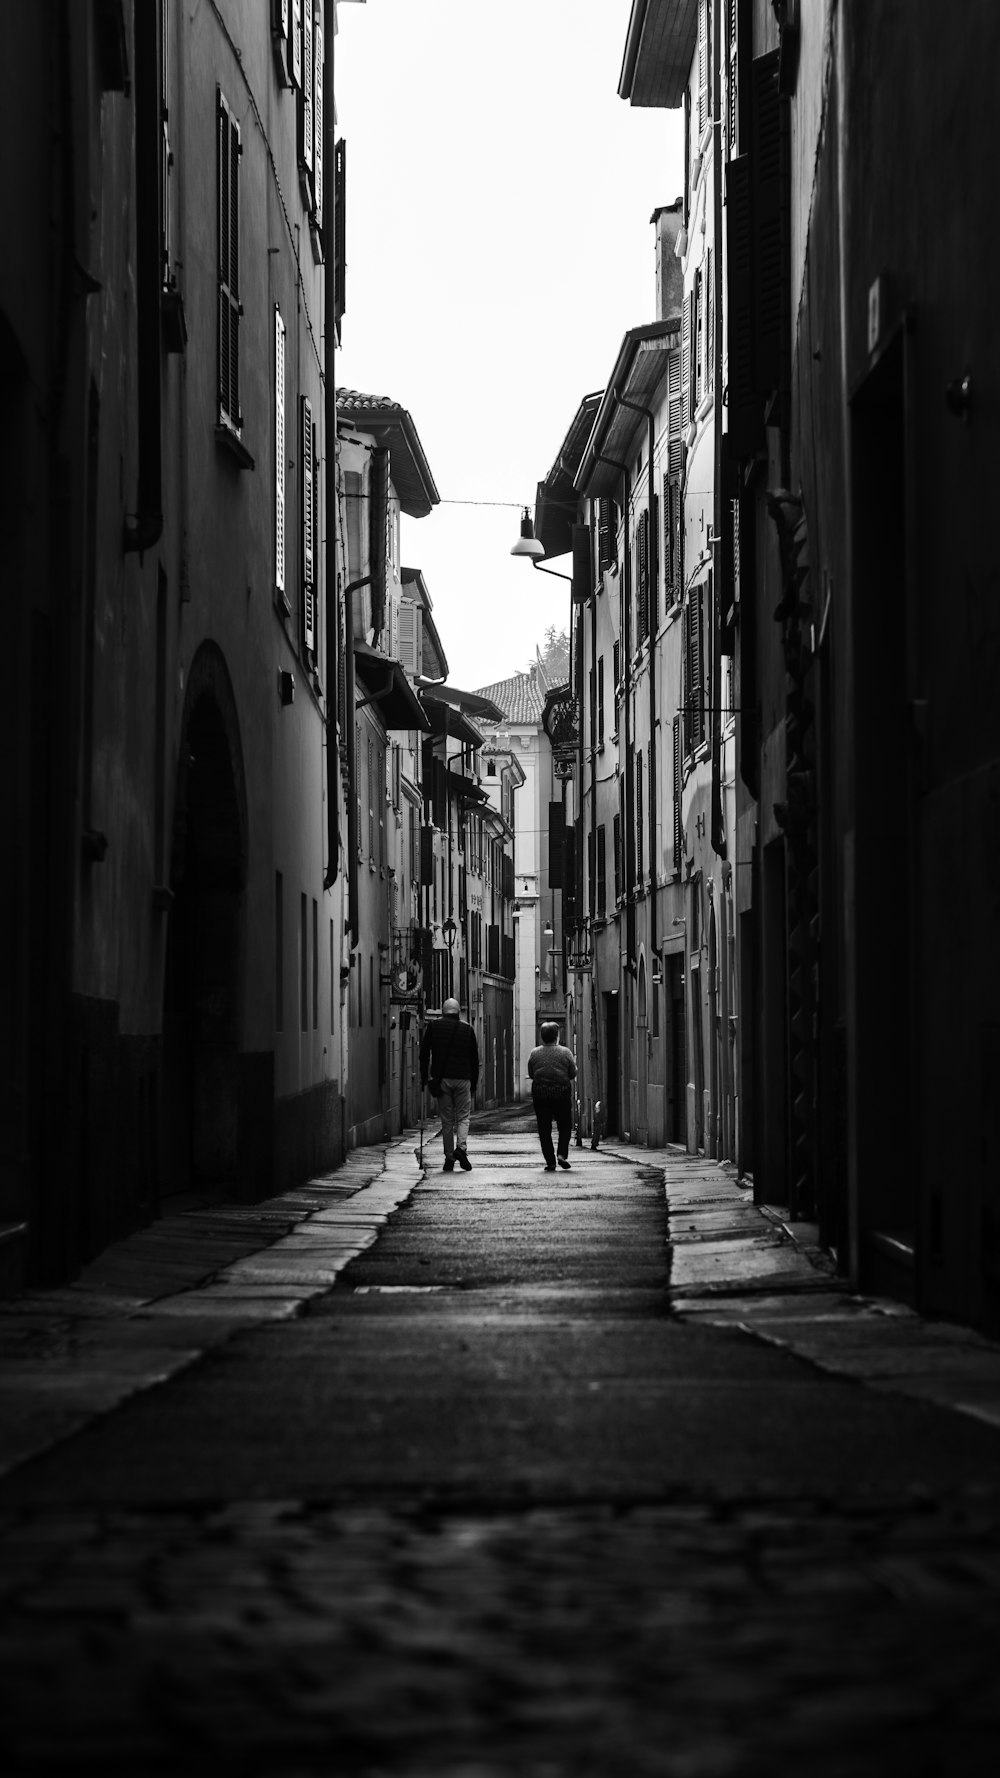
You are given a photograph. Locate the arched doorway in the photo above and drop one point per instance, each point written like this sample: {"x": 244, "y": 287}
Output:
{"x": 202, "y": 1001}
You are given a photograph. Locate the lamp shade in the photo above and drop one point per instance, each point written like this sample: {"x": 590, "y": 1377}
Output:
{"x": 528, "y": 544}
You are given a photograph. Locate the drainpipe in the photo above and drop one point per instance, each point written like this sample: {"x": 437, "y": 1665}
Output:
{"x": 652, "y": 570}
{"x": 626, "y": 628}
{"x": 143, "y": 530}
{"x": 352, "y": 767}
{"x": 718, "y": 813}
{"x": 330, "y": 414}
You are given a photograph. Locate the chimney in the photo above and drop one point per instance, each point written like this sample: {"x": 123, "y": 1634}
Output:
{"x": 669, "y": 275}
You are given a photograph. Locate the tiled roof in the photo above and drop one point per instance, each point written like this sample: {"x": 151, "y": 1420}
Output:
{"x": 391, "y": 425}
{"x": 521, "y": 698}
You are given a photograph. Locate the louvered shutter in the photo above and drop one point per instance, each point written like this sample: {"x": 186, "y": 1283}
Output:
{"x": 640, "y": 826}
{"x": 279, "y": 19}
{"x": 709, "y": 322}
{"x": 694, "y": 680}
{"x": 704, "y": 103}
{"x": 295, "y": 42}
{"x": 340, "y": 232}
{"x": 409, "y": 619}
{"x": 228, "y": 265}
{"x": 686, "y": 675}
{"x": 677, "y": 795}
{"x": 600, "y": 701}
{"x": 685, "y": 389}
{"x": 318, "y": 53}
{"x": 306, "y": 92}
{"x": 767, "y": 164}
{"x": 698, "y": 339}
{"x": 743, "y": 407}
{"x": 279, "y": 451}
{"x": 642, "y": 577}
{"x": 308, "y": 516}
{"x": 602, "y": 873}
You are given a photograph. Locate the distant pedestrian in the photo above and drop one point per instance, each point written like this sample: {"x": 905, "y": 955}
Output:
{"x": 551, "y": 1069}
{"x": 449, "y": 1065}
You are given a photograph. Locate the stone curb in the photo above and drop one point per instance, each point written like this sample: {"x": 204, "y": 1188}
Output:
{"x": 149, "y": 1306}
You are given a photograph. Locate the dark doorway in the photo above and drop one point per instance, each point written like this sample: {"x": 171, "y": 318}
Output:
{"x": 884, "y": 1028}
{"x": 202, "y": 991}
{"x": 676, "y": 1060}
{"x": 612, "y": 1065}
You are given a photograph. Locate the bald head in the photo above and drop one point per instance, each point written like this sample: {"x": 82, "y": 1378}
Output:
{"x": 451, "y": 1009}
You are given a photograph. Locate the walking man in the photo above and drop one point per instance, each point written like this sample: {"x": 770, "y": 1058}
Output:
{"x": 449, "y": 1065}
{"x": 551, "y": 1068}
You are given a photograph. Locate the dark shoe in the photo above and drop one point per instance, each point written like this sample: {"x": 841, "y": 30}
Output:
{"x": 549, "y": 1169}
{"x": 464, "y": 1161}
{"x": 449, "y": 1167}
{"x": 563, "y": 1162}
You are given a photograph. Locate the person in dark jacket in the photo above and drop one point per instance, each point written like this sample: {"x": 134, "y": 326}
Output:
{"x": 449, "y": 1064}
{"x": 551, "y": 1070}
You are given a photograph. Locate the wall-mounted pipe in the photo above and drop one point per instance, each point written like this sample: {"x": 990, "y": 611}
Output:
{"x": 143, "y": 529}
{"x": 652, "y": 573}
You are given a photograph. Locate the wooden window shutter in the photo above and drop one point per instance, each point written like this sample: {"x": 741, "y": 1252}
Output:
{"x": 616, "y": 662}
{"x": 640, "y": 834}
{"x": 408, "y": 637}
{"x": 743, "y": 407}
{"x": 279, "y": 16}
{"x": 318, "y": 55}
{"x": 685, "y": 390}
{"x": 340, "y": 232}
{"x": 600, "y": 701}
{"x": 306, "y": 90}
{"x": 229, "y": 265}
{"x": 704, "y": 103}
{"x": 279, "y": 451}
{"x": 295, "y": 42}
{"x": 698, "y": 338}
{"x": 709, "y": 322}
{"x": 653, "y": 567}
{"x": 592, "y": 872}
{"x": 602, "y": 872}
{"x": 695, "y": 634}
{"x": 642, "y": 577}
{"x": 308, "y": 515}
{"x": 686, "y": 675}
{"x": 768, "y": 164}
{"x": 617, "y": 842}
{"x": 677, "y": 795}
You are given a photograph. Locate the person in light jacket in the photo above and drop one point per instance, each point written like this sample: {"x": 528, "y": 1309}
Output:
{"x": 551, "y": 1070}
{"x": 449, "y": 1064}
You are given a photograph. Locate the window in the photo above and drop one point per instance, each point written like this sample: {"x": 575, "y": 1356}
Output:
{"x": 228, "y": 239}
{"x": 307, "y": 483}
{"x": 305, "y": 103}
{"x": 295, "y": 43}
{"x": 694, "y": 668}
{"x": 318, "y": 59}
{"x": 616, "y": 664}
{"x": 607, "y": 529}
{"x": 697, "y": 340}
{"x": 617, "y": 836}
{"x": 600, "y": 702}
{"x": 642, "y": 577}
{"x": 602, "y": 871}
{"x": 279, "y": 452}
{"x": 709, "y": 322}
{"x": 640, "y": 852}
{"x": 333, "y": 981}
{"x": 704, "y": 67}
{"x": 678, "y": 828}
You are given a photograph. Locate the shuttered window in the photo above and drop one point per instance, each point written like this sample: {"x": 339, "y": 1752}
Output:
{"x": 742, "y": 406}
{"x": 685, "y": 389}
{"x": 769, "y": 173}
{"x": 307, "y": 483}
{"x": 678, "y": 831}
{"x": 602, "y": 873}
{"x": 640, "y": 829}
{"x": 340, "y": 233}
{"x": 600, "y": 702}
{"x": 295, "y": 42}
{"x": 694, "y": 664}
{"x": 318, "y": 58}
{"x": 607, "y": 527}
{"x": 704, "y": 67}
{"x": 709, "y": 322}
{"x": 617, "y": 836}
{"x": 409, "y": 637}
{"x": 642, "y": 577}
{"x": 279, "y": 452}
{"x": 228, "y": 236}
{"x": 698, "y": 340}
{"x": 305, "y": 100}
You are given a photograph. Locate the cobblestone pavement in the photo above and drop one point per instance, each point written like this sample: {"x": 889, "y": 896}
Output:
{"x": 654, "y": 1599}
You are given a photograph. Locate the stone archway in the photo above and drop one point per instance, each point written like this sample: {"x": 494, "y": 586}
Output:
{"x": 202, "y": 1000}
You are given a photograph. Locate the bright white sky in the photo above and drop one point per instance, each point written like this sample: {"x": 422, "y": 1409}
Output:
{"x": 499, "y": 196}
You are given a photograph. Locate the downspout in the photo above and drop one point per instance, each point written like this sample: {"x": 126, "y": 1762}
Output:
{"x": 330, "y": 414}
{"x": 352, "y": 765}
{"x": 718, "y": 813}
{"x": 652, "y": 571}
{"x": 143, "y": 530}
{"x": 626, "y": 636}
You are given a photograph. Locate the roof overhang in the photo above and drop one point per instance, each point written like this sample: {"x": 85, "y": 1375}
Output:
{"x": 472, "y": 702}
{"x": 557, "y": 501}
{"x": 390, "y": 425}
{"x": 445, "y": 722}
{"x": 659, "y": 45}
{"x": 389, "y": 691}
{"x": 467, "y": 788}
{"x": 640, "y": 368}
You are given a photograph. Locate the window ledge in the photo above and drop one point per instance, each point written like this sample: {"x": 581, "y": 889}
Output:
{"x": 232, "y": 442}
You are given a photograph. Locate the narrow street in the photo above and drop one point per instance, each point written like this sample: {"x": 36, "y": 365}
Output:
{"x": 483, "y": 1474}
